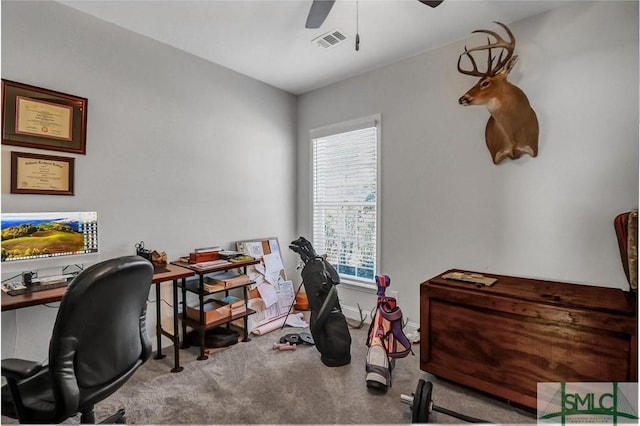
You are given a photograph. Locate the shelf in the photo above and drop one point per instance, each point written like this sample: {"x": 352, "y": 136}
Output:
{"x": 195, "y": 324}
{"x": 217, "y": 268}
{"x": 193, "y": 286}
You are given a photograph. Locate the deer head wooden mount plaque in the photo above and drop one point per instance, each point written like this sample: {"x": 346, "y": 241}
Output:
{"x": 512, "y": 129}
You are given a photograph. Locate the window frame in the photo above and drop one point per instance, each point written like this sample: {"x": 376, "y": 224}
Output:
{"x": 338, "y": 128}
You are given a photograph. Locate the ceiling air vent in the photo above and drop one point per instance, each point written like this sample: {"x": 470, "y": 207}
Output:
{"x": 330, "y": 39}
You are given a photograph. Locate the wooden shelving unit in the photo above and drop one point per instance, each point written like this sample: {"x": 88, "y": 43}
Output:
{"x": 196, "y": 286}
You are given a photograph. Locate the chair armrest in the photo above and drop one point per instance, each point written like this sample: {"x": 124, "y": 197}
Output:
{"x": 19, "y": 369}
{"x": 14, "y": 370}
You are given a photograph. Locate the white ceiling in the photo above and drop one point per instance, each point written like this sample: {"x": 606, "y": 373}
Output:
{"x": 267, "y": 39}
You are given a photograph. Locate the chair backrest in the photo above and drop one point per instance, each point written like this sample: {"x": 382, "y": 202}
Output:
{"x": 100, "y": 337}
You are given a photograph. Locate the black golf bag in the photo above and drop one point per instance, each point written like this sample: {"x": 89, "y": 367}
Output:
{"x": 327, "y": 324}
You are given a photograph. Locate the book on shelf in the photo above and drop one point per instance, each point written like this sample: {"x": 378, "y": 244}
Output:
{"x": 228, "y": 254}
{"x": 225, "y": 280}
{"x": 238, "y": 307}
{"x": 230, "y": 299}
{"x": 211, "y": 288}
{"x": 241, "y": 258}
{"x": 204, "y": 266}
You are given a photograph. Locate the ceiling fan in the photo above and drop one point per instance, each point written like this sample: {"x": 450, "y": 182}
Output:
{"x": 320, "y": 10}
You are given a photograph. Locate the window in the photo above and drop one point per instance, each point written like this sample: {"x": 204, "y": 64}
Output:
{"x": 345, "y": 197}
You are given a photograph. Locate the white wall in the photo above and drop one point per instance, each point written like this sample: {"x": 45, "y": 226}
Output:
{"x": 446, "y": 205}
{"x": 181, "y": 153}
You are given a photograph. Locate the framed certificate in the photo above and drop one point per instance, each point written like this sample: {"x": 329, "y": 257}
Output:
{"x": 41, "y": 118}
{"x": 41, "y": 174}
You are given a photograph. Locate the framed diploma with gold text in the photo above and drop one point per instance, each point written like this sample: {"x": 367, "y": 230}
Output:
{"x": 42, "y": 118}
{"x": 41, "y": 174}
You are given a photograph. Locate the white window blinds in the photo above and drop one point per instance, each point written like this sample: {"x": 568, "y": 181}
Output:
{"x": 345, "y": 200}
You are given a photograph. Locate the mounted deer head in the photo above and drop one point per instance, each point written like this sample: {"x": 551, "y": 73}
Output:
{"x": 512, "y": 129}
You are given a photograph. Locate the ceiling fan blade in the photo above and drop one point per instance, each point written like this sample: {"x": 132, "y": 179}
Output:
{"x": 431, "y": 3}
{"x": 318, "y": 13}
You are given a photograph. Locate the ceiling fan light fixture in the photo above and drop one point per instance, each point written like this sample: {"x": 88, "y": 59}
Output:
{"x": 434, "y": 3}
{"x": 318, "y": 13}
{"x": 330, "y": 39}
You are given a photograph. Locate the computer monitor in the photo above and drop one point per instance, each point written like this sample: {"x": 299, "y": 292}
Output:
{"x": 32, "y": 241}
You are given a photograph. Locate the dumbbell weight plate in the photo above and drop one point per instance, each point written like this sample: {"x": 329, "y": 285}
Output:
{"x": 293, "y": 339}
{"x": 417, "y": 397}
{"x": 422, "y": 402}
{"x": 306, "y": 338}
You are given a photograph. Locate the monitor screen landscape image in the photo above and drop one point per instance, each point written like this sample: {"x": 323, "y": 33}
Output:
{"x": 29, "y": 236}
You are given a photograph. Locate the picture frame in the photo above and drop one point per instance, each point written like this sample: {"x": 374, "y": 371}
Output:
{"x": 41, "y": 174}
{"x": 41, "y": 118}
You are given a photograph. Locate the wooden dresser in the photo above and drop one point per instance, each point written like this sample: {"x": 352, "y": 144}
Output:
{"x": 506, "y": 338}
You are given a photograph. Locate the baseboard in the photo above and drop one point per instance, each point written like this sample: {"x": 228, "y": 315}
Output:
{"x": 356, "y": 313}
{"x": 353, "y": 314}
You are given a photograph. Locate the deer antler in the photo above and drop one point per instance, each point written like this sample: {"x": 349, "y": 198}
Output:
{"x": 512, "y": 130}
{"x": 500, "y": 43}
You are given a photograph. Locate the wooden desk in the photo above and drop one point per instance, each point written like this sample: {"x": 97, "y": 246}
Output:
{"x": 174, "y": 274}
{"x": 32, "y": 299}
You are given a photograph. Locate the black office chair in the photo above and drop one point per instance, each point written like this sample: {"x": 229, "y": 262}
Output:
{"x": 99, "y": 340}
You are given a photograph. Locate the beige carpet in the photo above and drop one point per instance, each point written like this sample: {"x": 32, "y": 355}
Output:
{"x": 250, "y": 383}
